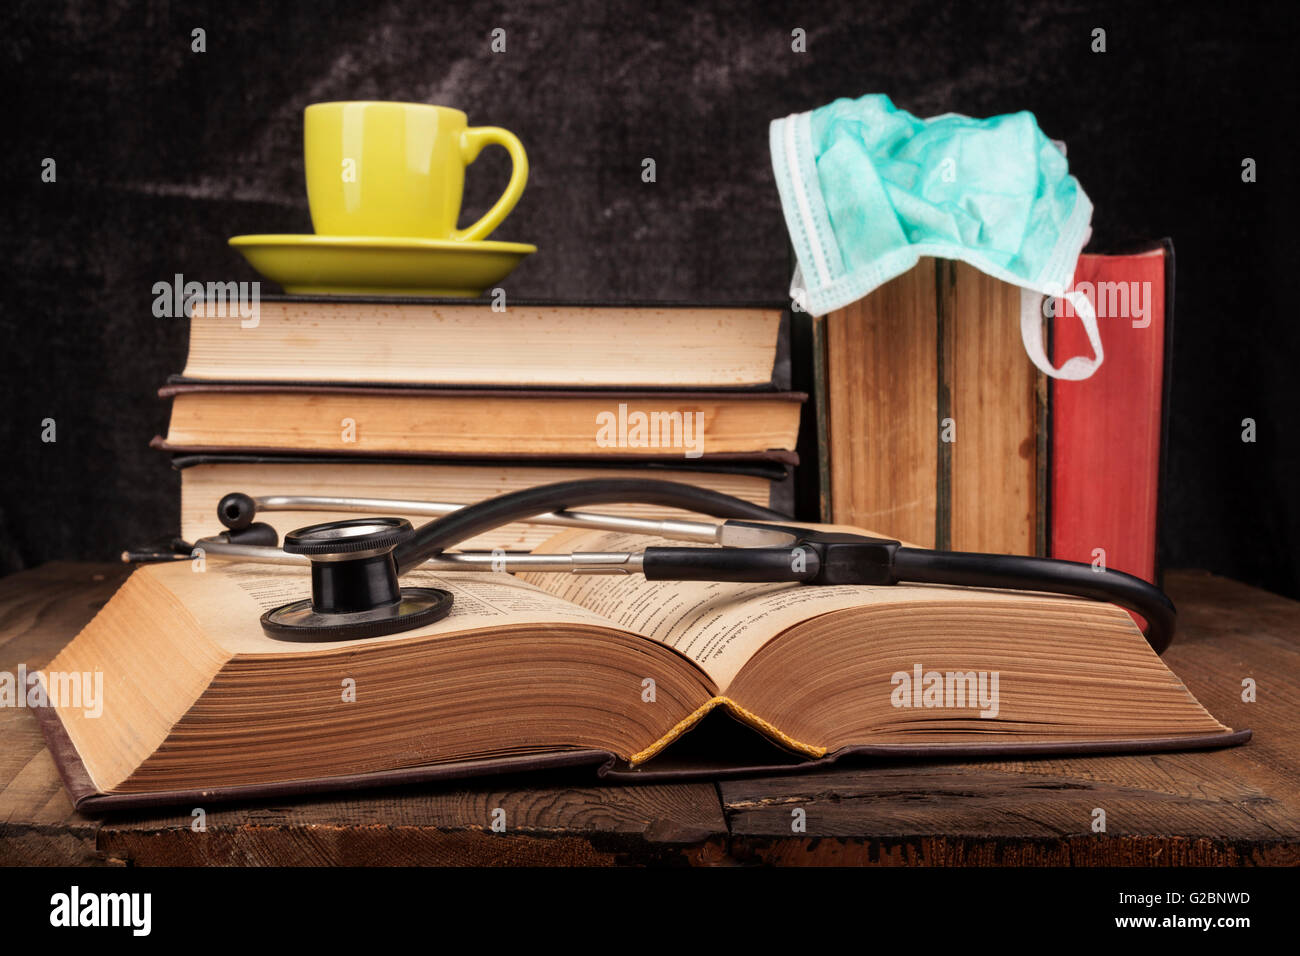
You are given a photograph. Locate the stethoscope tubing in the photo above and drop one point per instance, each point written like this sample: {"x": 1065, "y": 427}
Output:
{"x": 428, "y": 547}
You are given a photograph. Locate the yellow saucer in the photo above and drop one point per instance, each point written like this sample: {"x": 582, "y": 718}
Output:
{"x": 373, "y": 265}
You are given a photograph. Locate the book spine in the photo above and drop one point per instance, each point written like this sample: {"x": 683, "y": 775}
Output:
{"x": 1108, "y": 430}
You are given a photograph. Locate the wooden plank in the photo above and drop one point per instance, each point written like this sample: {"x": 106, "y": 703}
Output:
{"x": 40, "y": 611}
{"x": 1161, "y": 810}
{"x": 544, "y": 825}
{"x": 882, "y": 388}
{"x": 1234, "y": 806}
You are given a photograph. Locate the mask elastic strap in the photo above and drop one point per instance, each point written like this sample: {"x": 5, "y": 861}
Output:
{"x": 1031, "y": 334}
{"x": 799, "y": 288}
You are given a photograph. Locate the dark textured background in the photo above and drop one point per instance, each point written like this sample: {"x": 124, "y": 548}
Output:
{"x": 163, "y": 153}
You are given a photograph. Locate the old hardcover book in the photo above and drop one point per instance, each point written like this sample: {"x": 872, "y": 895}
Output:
{"x": 936, "y": 418}
{"x": 548, "y": 670}
{"x": 451, "y": 342}
{"x": 206, "y": 479}
{"x": 1108, "y": 431}
{"x": 475, "y": 422}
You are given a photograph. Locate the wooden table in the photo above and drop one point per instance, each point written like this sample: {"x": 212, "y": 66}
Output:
{"x": 1236, "y": 806}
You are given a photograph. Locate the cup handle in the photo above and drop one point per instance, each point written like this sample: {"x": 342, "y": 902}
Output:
{"x": 472, "y": 141}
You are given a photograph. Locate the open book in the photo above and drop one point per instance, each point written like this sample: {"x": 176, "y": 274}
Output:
{"x": 196, "y": 698}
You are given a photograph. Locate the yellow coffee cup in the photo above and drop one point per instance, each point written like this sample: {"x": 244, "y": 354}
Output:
{"x": 398, "y": 169}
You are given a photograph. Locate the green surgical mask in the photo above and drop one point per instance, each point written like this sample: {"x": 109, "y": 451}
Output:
{"x": 868, "y": 189}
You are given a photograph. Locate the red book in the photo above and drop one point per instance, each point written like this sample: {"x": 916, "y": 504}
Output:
{"x": 1107, "y": 431}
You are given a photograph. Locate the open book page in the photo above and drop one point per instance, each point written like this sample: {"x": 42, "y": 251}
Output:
{"x": 228, "y": 600}
{"x": 719, "y": 625}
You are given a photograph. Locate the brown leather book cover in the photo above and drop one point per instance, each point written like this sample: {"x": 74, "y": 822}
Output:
{"x": 774, "y": 456}
{"x": 526, "y": 394}
{"x": 764, "y": 465}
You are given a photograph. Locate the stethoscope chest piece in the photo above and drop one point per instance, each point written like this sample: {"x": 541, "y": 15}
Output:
{"x": 354, "y": 589}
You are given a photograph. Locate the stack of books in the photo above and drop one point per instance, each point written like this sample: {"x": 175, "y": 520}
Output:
{"x": 454, "y": 400}
{"x": 937, "y": 429}
{"x": 541, "y": 670}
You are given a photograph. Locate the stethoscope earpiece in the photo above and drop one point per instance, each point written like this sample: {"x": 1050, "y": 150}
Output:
{"x": 354, "y": 589}
{"x": 236, "y": 511}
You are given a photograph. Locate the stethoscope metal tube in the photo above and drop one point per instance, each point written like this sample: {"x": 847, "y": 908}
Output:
{"x": 677, "y": 530}
{"x": 356, "y": 563}
{"x": 579, "y": 562}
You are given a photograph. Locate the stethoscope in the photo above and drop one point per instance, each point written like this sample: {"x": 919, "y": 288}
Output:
{"x": 356, "y": 563}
